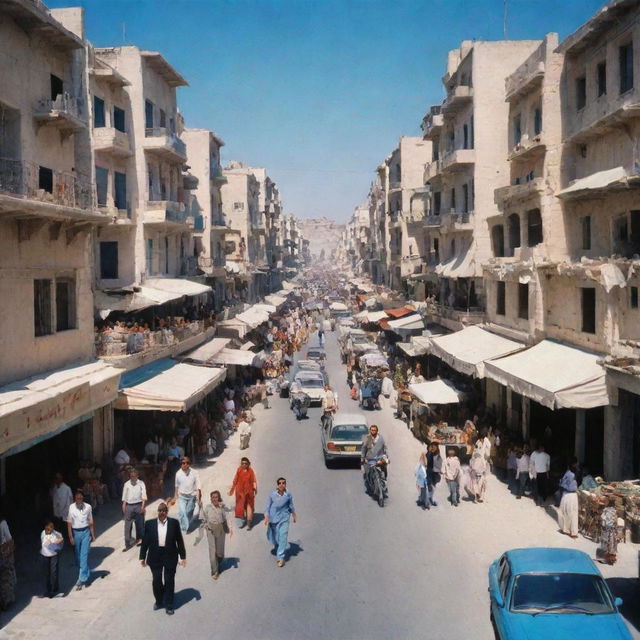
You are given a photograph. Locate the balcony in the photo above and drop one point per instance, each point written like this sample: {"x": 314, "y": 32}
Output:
{"x": 117, "y": 216}
{"x": 164, "y": 213}
{"x": 56, "y": 195}
{"x": 528, "y": 149}
{"x": 189, "y": 181}
{"x": 504, "y": 196}
{"x": 455, "y": 220}
{"x": 160, "y": 142}
{"x": 527, "y": 77}
{"x": 452, "y": 317}
{"x": 597, "y": 119}
{"x": 217, "y": 176}
{"x": 112, "y": 141}
{"x": 432, "y": 170}
{"x": 432, "y": 123}
{"x": 459, "y": 97}
{"x": 433, "y": 220}
{"x": 458, "y": 159}
{"x": 64, "y": 113}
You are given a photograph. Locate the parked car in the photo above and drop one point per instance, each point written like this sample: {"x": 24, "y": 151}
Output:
{"x": 310, "y": 365}
{"x": 342, "y": 437}
{"x": 309, "y": 382}
{"x": 316, "y": 353}
{"x": 553, "y": 594}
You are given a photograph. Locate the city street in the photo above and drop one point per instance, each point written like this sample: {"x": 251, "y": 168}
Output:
{"x": 355, "y": 571}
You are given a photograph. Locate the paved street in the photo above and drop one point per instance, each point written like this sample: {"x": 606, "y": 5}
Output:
{"x": 356, "y": 571}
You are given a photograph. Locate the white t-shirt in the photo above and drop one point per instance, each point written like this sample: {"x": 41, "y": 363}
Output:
{"x": 80, "y": 517}
{"x": 187, "y": 483}
{"x": 50, "y": 543}
{"x": 244, "y": 428}
{"x": 61, "y": 497}
{"x": 162, "y": 532}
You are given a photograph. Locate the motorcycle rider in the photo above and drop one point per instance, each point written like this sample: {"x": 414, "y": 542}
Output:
{"x": 373, "y": 453}
{"x": 329, "y": 404}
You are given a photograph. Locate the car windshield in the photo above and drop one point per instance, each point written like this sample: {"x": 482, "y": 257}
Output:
{"x": 349, "y": 432}
{"x": 315, "y": 354}
{"x": 561, "y": 593}
{"x": 315, "y": 383}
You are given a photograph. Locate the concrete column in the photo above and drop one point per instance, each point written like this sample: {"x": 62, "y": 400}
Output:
{"x": 580, "y": 434}
{"x": 613, "y": 458}
{"x": 526, "y": 418}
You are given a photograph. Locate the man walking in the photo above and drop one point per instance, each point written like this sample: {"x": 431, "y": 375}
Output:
{"x": 61, "y": 498}
{"x": 277, "y": 514}
{"x": 188, "y": 490}
{"x": 539, "y": 465}
{"x": 81, "y": 534}
{"x": 244, "y": 429}
{"x": 162, "y": 544}
{"x": 134, "y": 499}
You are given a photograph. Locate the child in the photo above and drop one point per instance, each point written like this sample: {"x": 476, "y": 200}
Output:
{"x": 451, "y": 471}
{"x": 51, "y": 543}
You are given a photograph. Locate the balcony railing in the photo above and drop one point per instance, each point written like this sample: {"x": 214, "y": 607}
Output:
{"x": 216, "y": 174}
{"x": 526, "y": 77}
{"x": 20, "y": 178}
{"x": 64, "y": 112}
{"x": 163, "y": 142}
{"x": 457, "y": 98}
{"x": 111, "y": 140}
{"x": 161, "y": 212}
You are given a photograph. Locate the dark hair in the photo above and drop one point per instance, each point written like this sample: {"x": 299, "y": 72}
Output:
{"x": 216, "y": 492}
{"x": 78, "y": 491}
{"x": 279, "y": 480}
{"x": 245, "y": 459}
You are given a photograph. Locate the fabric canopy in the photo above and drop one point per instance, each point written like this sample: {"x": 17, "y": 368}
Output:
{"x": 240, "y": 357}
{"x": 555, "y": 375}
{"x": 253, "y": 317}
{"x": 261, "y": 306}
{"x": 338, "y": 306}
{"x": 435, "y": 392}
{"x": 417, "y": 347}
{"x": 177, "y": 286}
{"x": 467, "y": 350}
{"x": 462, "y": 265}
{"x": 166, "y": 385}
{"x": 371, "y": 316}
{"x": 231, "y": 328}
{"x": 288, "y": 286}
{"x": 374, "y": 359}
{"x": 208, "y": 350}
{"x": 413, "y": 321}
{"x": 275, "y": 300}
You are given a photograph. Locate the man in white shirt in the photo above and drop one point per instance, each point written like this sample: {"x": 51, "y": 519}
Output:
{"x": 61, "y": 498}
{"x": 539, "y": 465}
{"x": 81, "y": 534}
{"x": 134, "y": 499}
{"x": 188, "y": 490}
{"x": 122, "y": 457}
{"x": 244, "y": 429}
{"x": 152, "y": 449}
{"x": 386, "y": 391}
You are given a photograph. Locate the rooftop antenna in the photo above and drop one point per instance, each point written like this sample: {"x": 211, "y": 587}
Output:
{"x": 506, "y": 15}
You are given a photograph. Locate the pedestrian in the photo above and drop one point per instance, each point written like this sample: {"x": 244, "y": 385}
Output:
{"x": 61, "y": 497}
{"x": 188, "y": 492}
{"x": 434, "y": 470}
{"x": 162, "y": 544}
{"x": 244, "y": 429}
{"x": 7, "y": 566}
{"x": 568, "y": 514}
{"x": 478, "y": 470}
{"x": 51, "y": 542}
{"x": 134, "y": 499}
{"x": 512, "y": 468}
{"x": 277, "y": 514}
{"x": 386, "y": 391}
{"x": 321, "y": 335}
{"x": 609, "y": 532}
{"x": 483, "y": 444}
{"x": 522, "y": 472}
{"x": 245, "y": 486}
{"x": 421, "y": 482}
{"x": 81, "y": 535}
{"x": 539, "y": 465}
{"x": 214, "y": 520}
{"x": 263, "y": 395}
{"x": 451, "y": 471}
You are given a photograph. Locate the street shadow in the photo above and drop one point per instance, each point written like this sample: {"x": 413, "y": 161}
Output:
{"x": 230, "y": 562}
{"x": 627, "y": 589}
{"x": 295, "y": 548}
{"x": 185, "y": 596}
{"x": 257, "y": 518}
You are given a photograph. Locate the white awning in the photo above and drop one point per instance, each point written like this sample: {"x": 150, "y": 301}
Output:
{"x": 418, "y": 346}
{"x": 468, "y": 350}
{"x": 435, "y": 392}
{"x": 231, "y": 328}
{"x": 555, "y": 375}
{"x": 462, "y": 265}
{"x": 594, "y": 182}
{"x": 177, "y": 286}
{"x": 31, "y": 410}
{"x": 371, "y": 302}
{"x": 254, "y": 316}
{"x": 166, "y": 385}
{"x": 208, "y": 350}
{"x": 413, "y": 321}
{"x": 240, "y": 357}
{"x": 289, "y": 286}
{"x": 338, "y": 306}
{"x": 374, "y": 359}
{"x": 275, "y": 300}
{"x": 284, "y": 293}
{"x": 371, "y": 316}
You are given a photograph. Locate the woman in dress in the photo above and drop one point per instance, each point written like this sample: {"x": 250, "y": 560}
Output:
{"x": 245, "y": 486}
{"x": 7, "y": 566}
{"x": 608, "y": 533}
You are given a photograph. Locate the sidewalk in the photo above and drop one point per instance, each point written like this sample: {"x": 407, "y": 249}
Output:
{"x": 114, "y": 573}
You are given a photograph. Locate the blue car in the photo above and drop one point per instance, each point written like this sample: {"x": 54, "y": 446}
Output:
{"x": 552, "y": 594}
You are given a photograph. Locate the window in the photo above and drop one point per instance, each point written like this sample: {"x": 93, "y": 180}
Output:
{"x": 65, "y": 305}
{"x": 238, "y": 206}
{"x": 437, "y": 202}
{"x": 42, "y": 307}
{"x": 513, "y": 222}
{"x": 98, "y": 113}
{"x": 625, "y": 56}
{"x": 45, "y": 179}
{"x": 500, "y": 298}
{"x": 119, "y": 119}
{"x": 601, "y": 78}
{"x": 120, "y": 190}
{"x": 453, "y": 199}
{"x": 633, "y": 297}
{"x": 163, "y": 118}
{"x": 148, "y": 114}
{"x": 108, "y": 260}
{"x": 634, "y": 236}
{"x": 465, "y": 136}
{"x": 523, "y": 301}
{"x": 465, "y": 198}
{"x": 517, "y": 130}
{"x": 436, "y": 249}
{"x": 588, "y": 309}
{"x": 534, "y": 227}
{"x": 452, "y": 248}
{"x": 581, "y": 92}
{"x": 505, "y": 574}
{"x": 586, "y": 233}
{"x": 497, "y": 237}
{"x": 435, "y": 150}
{"x": 172, "y": 125}
{"x": 102, "y": 185}
{"x": 149, "y": 256}
{"x": 537, "y": 121}
{"x": 57, "y": 87}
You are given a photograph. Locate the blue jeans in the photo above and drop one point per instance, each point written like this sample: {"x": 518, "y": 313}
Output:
{"x": 277, "y": 535}
{"x": 82, "y": 541}
{"x": 186, "y": 505}
{"x": 454, "y": 491}
{"x": 522, "y": 483}
{"x": 425, "y": 497}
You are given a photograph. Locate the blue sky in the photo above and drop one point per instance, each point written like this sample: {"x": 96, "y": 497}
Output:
{"x": 316, "y": 91}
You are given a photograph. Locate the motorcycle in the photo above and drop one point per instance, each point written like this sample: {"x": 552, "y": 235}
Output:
{"x": 300, "y": 404}
{"x": 375, "y": 479}
{"x": 369, "y": 393}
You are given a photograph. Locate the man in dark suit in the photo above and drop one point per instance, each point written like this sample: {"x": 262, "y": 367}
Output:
{"x": 161, "y": 545}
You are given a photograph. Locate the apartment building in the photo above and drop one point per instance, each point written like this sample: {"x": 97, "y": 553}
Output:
{"x": 55, "y": 396}
{"x": 469, "y": 133}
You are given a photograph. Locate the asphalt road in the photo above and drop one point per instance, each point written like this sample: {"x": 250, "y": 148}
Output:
{"x": 355, "y": 571}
